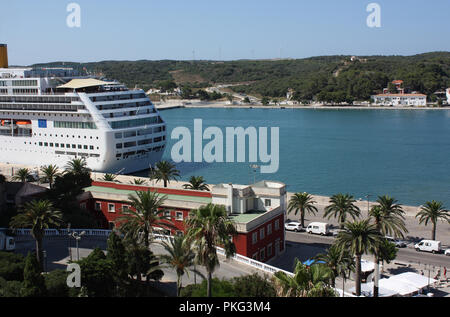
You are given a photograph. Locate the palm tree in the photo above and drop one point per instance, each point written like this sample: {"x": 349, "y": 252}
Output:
{"x": 180, "y": 257}
{"x": 37, "y": 215}
{"x": 138, "y": 181}
{"x": 50, "y": 173}
{"x": 2, "y": 179}
{"x": 143, "y": 216}
{"x": 338, "y": 260}
{"x": 165, "y": 171}
{"x": 196, "y": 183}
{"x": 307, "y": 281}
{"x": 358, "y": 237}
{"x": 302, "y": 202}
{"x": 432, "y": 212}
{"x": 340, "y": 207}
{"x": 22, "y": 175}
{"x": 389, "y": 220}
{"x": 208, "y": 227}
{"x": 77, "y": 167}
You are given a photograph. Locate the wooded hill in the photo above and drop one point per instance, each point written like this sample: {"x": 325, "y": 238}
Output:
{"x": 324, "y": 78}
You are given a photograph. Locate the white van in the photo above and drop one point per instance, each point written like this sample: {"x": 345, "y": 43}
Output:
{"x": 318, "y": 228}
{"x": 428, "y": 246}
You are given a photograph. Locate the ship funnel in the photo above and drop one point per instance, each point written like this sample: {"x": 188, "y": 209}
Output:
{"x": 3, "y": 56}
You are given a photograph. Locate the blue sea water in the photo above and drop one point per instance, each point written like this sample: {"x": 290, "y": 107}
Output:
{"x": 403, "y": 153}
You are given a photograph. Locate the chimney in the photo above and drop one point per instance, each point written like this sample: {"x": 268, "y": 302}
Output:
{"x": 3, "y": 56}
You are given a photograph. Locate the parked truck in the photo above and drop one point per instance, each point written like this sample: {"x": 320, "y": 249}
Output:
{"x": 7, "y": 243}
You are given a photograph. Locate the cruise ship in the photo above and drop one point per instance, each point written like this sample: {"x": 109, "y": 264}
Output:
{"x": 53, "y": 115}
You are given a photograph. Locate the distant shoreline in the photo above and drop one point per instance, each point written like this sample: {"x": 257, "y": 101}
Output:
{"x": 283, "y": 107}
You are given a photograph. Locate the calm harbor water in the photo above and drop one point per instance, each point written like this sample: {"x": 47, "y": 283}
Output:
{"x": 403, "y": 153}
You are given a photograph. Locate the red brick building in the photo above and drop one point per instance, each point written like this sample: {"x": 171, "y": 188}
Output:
{"x": 258, "y": 211}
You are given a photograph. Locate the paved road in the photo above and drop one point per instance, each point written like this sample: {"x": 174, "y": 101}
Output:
{"x": 305, "y": 246}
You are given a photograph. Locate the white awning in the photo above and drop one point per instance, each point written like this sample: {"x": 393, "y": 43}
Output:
{"x": 398, "y": 286}
{"x": 84, "y": 83}
{"x": 367, "y": 290}
{"x": 414, "y": 279}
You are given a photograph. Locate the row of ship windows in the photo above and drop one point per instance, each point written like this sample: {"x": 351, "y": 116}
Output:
{"x": 62, "y": 136}
{"x": 139, "y": 143}
{"x": 135, "y": 122}
{"x": 39, "y": 99}
{"x": 131, "y": 134}
{"x": 124, "y": 156}
{"x": 44, "y": 114}
{"x": 40, "y": 107}
{"x": 118, "y": 97}
{"x": 19, "y": 83}
{"x": 74, "y": 125}
{"x": 124, "y": 105}
{"x": 127, "y": 114}
{"x": 67, "y": 146}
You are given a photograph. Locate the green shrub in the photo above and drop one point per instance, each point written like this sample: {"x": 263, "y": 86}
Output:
{"x": 11, "y": 266}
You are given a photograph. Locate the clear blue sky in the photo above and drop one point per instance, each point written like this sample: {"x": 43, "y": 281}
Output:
{"x": 36, "y": 31}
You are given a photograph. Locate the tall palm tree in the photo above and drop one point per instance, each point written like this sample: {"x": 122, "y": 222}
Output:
{"x": 50, "y": 173}
{"x": 208, "y": 227}
{"x": 196, "y": 183}
{"x": 77, "y": 167}
{"x": 143, "y": 216}
{"x": 37, "y": 215}
{"x": 388, "y": 217}
{"x": 180, "y": 257}
{"x": 358, "y": 238}
{"x": 432, "y": 212}
{"x": 313, "y": 281}
{"x": 341, "y": 206}
{"x": 22, "y": 175}
{"x": 302, "y": 202}
{"x": 166, "y": 172}
{"x": 338, "y": 260}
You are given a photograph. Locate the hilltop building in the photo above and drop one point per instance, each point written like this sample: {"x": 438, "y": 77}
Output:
{"x": 258, "y": 211}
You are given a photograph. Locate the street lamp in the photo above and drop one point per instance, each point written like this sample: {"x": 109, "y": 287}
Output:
{"x": 255, "y": 168}
{"x": 77, "y": 238}
{"x": 368, "y": 203}
{"x": 70, "y": 245}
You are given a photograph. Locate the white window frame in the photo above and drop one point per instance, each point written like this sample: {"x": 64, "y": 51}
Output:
{"x": 269, "y": 248}
{"x": 177, "y": 216}
{"x": 114, "y": 208}
{"x": 269, "y": 229}
{"x": 267, "y": 202}
{"x": 99, "y": 206}
{"x": 262, "y": 254}
{"x": 262, "y": 233}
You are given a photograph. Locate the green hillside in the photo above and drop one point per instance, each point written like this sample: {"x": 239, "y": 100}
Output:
{"x": 325, "y": 78}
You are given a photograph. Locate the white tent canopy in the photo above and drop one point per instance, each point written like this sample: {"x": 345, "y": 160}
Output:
{"x": 367, "y": 290}
{"x": 367, "y": 266}
{"x": 414, "y": 279}
{"x": 398, "y": 286}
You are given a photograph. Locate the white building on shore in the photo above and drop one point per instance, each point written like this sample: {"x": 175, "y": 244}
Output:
{"x": 400, "y": 99}
{"x": 448, "y": 96}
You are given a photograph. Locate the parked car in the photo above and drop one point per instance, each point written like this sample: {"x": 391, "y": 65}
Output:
{"x": 293, "y": 226}
{"x": 398, "y": 243}
{"x": 318, "y": 228}
{"x": 428, "y": 246}
{"x": 447, "y": 252}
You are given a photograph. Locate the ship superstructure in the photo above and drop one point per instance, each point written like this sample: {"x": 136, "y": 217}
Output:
{"x": 52, "y": 115}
